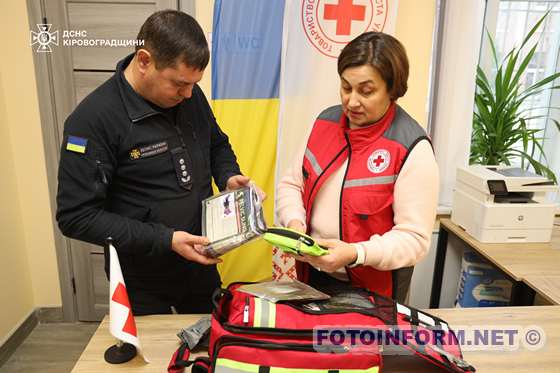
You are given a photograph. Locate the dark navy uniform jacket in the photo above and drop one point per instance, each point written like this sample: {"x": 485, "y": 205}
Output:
{"x": 141, "y": 176}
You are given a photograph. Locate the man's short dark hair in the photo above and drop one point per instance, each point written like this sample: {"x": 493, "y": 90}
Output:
{"x": 384, "y": 53}
{"x": 172, "y": 36}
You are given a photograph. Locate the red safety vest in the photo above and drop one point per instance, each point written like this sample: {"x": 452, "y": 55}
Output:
{"x": 375, "y": 156}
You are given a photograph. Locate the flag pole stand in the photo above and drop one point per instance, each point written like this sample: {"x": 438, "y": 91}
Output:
{"x": 120, "y": 353}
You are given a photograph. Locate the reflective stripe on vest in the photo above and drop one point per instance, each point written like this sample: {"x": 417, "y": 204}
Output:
{"x": 313, "y": 161}
{"x": 265, "y": 313}
{"x": 370, "y": 181}
{"x": 231, "y": 366}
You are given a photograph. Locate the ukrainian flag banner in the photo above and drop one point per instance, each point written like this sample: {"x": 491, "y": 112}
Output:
{"x": 246, "y": 48}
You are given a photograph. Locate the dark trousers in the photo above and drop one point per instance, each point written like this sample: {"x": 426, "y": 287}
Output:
{"x": 189, "y": 293}
{"x": 324, "y": 282}
{"x": 401, "y": 282}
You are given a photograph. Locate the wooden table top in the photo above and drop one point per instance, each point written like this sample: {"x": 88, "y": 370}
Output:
{"x": 547, "y": 286}
{"x": 158, "y": 335}
{"x": 518, "y": 260}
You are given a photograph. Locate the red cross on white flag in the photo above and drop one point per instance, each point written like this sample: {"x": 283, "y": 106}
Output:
{"x": 122, "y": 324}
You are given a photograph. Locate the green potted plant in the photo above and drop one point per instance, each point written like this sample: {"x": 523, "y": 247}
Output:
{"x": 501, "y": 125}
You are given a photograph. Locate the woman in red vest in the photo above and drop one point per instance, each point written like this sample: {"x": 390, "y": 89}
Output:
{"x": 365, "y": 183}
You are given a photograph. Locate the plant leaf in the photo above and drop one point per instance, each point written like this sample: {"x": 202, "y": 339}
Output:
{"x": 534, "y": 29}
{"x": 542, "y": 82}
{"x": 524, "y": 64}
{"x": 493, "y": 48}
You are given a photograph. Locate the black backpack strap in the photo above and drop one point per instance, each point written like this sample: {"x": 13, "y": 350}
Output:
{"x": 201, "y": 365}
{"x": 180, "y": 360}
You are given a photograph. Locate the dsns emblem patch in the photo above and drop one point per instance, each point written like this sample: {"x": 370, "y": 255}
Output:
{"x": 378, "y": 161}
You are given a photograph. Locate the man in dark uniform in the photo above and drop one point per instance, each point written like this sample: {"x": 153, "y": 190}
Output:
{"x": 138, "y": 157}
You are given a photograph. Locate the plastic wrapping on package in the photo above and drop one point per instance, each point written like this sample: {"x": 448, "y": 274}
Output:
{"x": 276, "y": 291}
{"x": 231, "y": 219}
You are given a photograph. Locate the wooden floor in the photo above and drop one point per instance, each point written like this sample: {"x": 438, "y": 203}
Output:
{"x": 51, "y": 348}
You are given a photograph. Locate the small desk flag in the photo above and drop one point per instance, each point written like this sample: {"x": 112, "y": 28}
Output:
{"x": 122, "y": 324}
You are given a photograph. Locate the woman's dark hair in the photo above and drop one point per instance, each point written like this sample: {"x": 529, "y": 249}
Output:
{"x": 384, "y": 53}
{"x": 172, "y": 36}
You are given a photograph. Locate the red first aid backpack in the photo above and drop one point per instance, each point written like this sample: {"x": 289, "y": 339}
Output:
{"x": 250, "y": 334}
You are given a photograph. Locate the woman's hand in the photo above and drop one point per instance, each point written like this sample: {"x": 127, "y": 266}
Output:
{"x": 340, "y": 254}
{"x": 296, "y": 225}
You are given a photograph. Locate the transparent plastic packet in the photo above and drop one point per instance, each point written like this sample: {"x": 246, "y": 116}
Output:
{"x": 231, "y": 219}
{"x": 278, "y": 291}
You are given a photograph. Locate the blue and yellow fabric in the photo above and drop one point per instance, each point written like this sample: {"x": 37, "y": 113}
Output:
{"x": 246, "y": 50}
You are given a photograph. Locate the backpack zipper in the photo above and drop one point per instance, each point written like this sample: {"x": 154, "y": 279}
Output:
{"x": 246, "y": 311}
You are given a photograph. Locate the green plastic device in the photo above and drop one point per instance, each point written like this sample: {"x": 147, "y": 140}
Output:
{"x": 293, "y": 242}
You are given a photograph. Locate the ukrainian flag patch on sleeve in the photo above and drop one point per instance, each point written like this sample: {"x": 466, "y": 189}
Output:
{"x": 76, "y": 144}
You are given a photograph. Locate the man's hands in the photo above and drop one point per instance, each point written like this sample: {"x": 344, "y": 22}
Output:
{"x": 189, "y": 247}
{"x": 237, "y": 181}
{"x": 240, "y": 181}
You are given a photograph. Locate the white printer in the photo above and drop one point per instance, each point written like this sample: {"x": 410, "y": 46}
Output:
{"x": 503, "y": 204}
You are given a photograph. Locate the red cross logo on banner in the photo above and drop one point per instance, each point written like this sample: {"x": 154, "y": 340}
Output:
{"x": 344, "y": 13}
{"x": 378, "y": 161}
{"x": 330, "y": 24}
{"x": 120, "y": 296}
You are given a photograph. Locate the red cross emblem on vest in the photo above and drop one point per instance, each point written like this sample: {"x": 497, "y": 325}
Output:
{"x": 378, "y": 161}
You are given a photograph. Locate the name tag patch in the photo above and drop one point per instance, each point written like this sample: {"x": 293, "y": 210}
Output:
{"x": 148, "y": 150}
